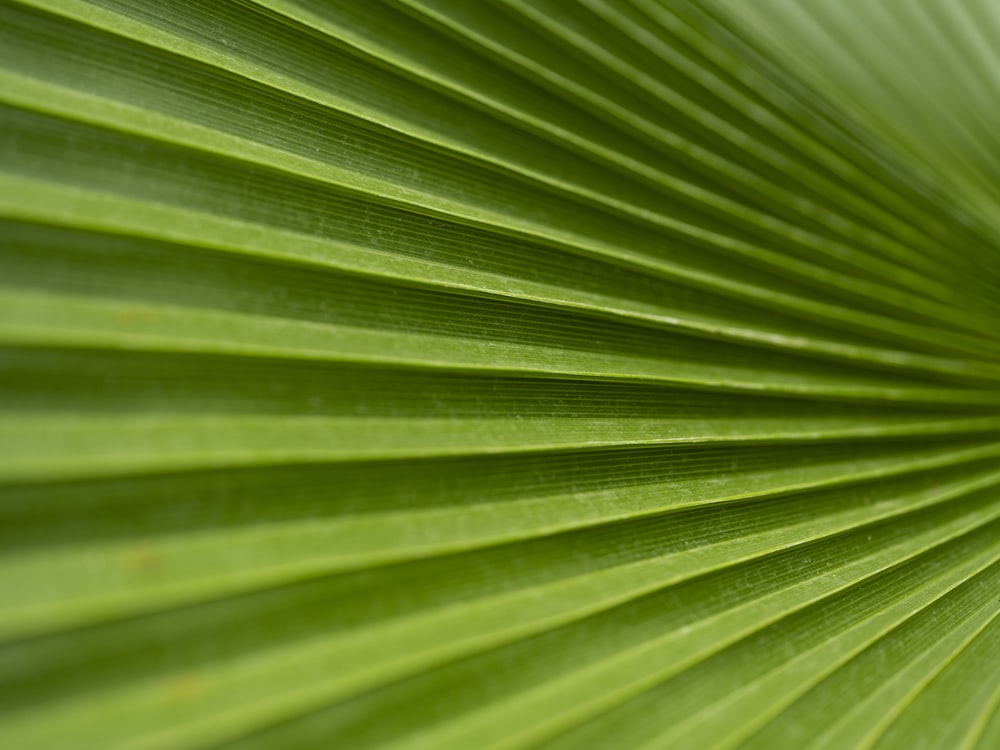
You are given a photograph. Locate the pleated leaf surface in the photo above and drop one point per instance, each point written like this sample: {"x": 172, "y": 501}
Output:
{"x": 508, "y": 374}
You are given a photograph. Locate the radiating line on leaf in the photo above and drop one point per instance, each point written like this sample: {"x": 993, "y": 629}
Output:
{"x": 696, "y": 596}
{"x": 697, "y": 314}
{"x": 50, "y": 587}
{"x": 38, "y": 319}
{"x": 519, "y": 687}
{"x": 583, "y": 238}
{"x": 726, "y": 699}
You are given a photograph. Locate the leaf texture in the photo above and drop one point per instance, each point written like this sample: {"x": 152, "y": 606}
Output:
{"x": 512, "y": 374}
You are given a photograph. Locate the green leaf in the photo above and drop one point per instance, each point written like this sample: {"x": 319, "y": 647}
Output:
{"x": 507, "y": 374}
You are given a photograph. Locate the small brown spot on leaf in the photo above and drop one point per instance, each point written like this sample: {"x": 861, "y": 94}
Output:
{"x": 184, "y": 688}
{"x": 134, "y": 315}
{"x": 143, "y": 559}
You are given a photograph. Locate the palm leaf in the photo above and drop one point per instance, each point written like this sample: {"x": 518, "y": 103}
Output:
{"x": 513, "y": 374}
